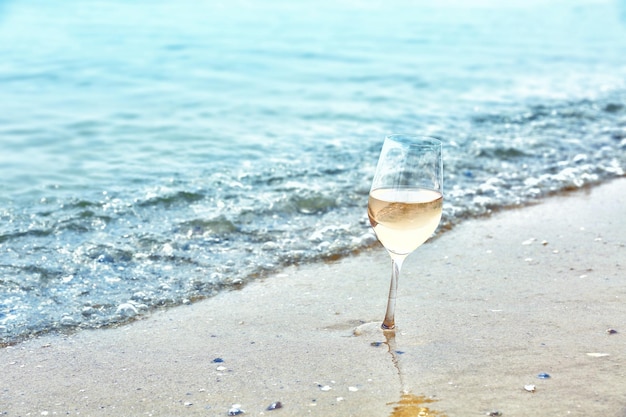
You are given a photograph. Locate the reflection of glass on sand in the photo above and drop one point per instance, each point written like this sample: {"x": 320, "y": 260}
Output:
{"x": 413, "y": 406}
{"x": 409, "y": 405}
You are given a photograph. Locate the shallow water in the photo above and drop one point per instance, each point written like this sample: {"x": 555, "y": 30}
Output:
{"x": 155, "y": 153}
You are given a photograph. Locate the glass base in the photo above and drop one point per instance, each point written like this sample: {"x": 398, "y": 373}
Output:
{"x": 373, "y": 328}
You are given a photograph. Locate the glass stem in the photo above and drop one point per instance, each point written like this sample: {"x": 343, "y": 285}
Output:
{"x": 396, "y": 265}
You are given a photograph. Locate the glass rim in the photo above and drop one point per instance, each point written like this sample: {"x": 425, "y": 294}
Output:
{"x": 415, "y": 139}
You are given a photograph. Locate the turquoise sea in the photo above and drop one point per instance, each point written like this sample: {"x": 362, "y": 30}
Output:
{"x": 154, "y": 153}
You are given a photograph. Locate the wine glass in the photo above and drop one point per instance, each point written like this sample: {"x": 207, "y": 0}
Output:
{"x": 405, "y": 201}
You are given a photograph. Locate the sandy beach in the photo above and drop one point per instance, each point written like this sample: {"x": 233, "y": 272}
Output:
{"x": 519, "y": 314}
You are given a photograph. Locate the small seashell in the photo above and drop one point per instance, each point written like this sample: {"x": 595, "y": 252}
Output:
{"x": 353, "y": 389}
{"x": 544, "y": 242}
{"x": 325, "y": 388}
{"x": 528, "y": 241}
{"x": 494, "y": 413}
{"x": 529, "y": 388}
{"x": 275, "y": 406}
{"x": 597, "y": 354}
{"x": 220, "y": 368}
{"x": 218, "y": 360}
{"x": 543, "y": 375}
{"x": 235, "y": 410}
{"x": 611, "y": 331}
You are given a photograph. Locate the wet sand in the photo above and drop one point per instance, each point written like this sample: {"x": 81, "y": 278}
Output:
{"x": 483, "y": 310}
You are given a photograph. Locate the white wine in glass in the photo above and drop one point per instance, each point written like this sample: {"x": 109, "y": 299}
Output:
{"x": 405, "y": 201}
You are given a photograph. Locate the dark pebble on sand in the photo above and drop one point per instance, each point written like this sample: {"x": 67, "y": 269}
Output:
{"x": 218, "y": 360}
{"x": 543, "y": 375}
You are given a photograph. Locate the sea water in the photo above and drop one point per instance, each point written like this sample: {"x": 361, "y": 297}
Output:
{"x": 156, "y": 153}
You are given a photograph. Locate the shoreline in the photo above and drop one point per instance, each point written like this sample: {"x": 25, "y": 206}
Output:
{"x": 332, "y": 258}
{"x": 442, "y": 229}
{"x": 483, "y": 310}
